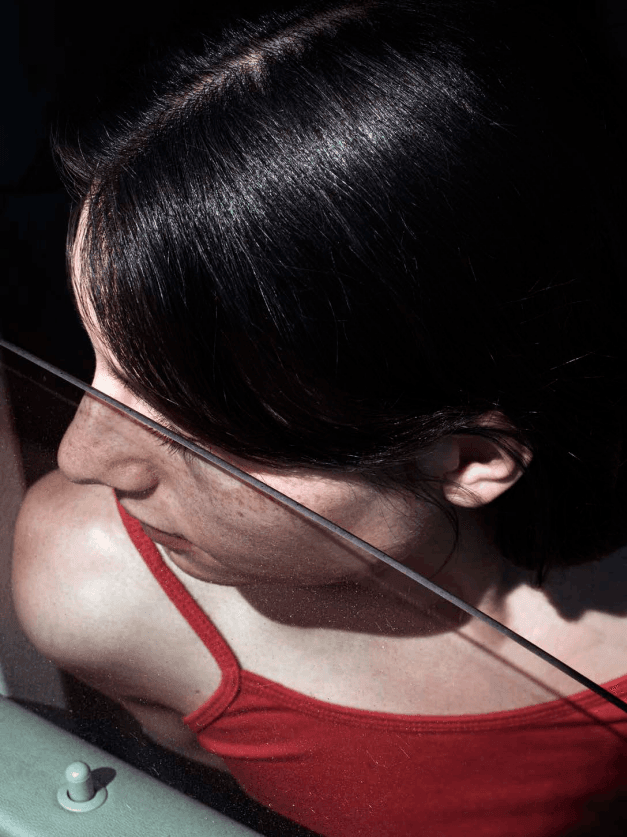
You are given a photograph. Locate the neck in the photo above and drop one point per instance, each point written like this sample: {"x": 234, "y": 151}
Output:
{"x": 389, "y": 602}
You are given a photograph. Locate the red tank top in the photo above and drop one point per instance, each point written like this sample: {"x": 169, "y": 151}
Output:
{"x": 342, "y": 772}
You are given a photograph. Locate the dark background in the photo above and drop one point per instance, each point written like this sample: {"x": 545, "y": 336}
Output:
{"x": 58, "y": 59}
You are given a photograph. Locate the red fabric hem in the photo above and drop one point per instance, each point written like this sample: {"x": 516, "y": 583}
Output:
{"x": 562, "y": 709}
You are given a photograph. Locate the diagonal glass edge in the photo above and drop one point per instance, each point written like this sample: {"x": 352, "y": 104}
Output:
{"x": 323, "y": 522}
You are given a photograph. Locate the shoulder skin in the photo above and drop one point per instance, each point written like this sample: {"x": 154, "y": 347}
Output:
{"x": 71, "y": 566}
{"x": 86, "y": 601}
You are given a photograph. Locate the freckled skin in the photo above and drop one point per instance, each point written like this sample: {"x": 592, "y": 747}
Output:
{"x": 237, "y": 534}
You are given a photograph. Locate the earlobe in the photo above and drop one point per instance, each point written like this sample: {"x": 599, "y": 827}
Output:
{"x": 483, "y": 472}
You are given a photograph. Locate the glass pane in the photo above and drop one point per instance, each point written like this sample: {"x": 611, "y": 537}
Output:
{"x": 337, "y": 689}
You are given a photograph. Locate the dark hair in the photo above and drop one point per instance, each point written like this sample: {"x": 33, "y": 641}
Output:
{"x": 346, "y": 231}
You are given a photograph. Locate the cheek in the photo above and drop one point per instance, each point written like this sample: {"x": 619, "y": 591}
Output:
{"x": 381, "y": 519}
{"x": 245, "y": 530}
{"x": 342, "y": 502}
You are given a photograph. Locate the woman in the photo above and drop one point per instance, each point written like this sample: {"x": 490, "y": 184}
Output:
{"x": 367, "y": 253}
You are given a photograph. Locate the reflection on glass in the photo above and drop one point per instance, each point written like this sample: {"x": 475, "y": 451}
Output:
{"x": 319, "y": 675}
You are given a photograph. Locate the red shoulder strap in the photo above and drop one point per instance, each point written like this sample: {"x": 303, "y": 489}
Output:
{"x": 197, "y": 619}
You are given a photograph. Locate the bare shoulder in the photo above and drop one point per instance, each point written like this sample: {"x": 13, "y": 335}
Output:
{"x": 86, "y": 600}
{"x": 71, "y": 566}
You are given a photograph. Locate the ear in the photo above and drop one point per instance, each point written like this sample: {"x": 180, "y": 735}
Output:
{"x": 481, "y": 471}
